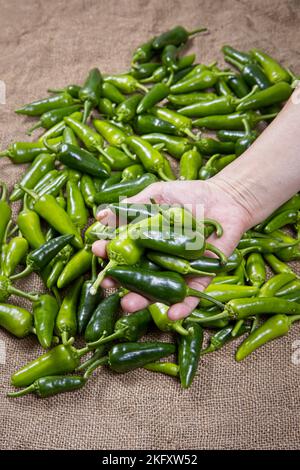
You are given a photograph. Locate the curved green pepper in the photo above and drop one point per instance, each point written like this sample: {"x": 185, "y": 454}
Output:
{"x": 16, "y": 320}
{"x": 125, "y": 189}
{"x": 159, "y": 314}
{"x": 189, "y": 350}
{"x": 124, "y": 82}
{"x": 45, "y": 310}
{"x": 175, "y": 36}
{"x": 90, "y": 93}
{"x": 48, "y": 386}
{"x": 76, "y": 206}
{"x": 36, "y": 108}
{"x": 156, "y": 94}
{"x": 15, "y": 253}
{"x": 53, "y": 117}
{"x": 274, "y": 71}
{"x": 66, "y": 320}
{"x": 78, "y": 265}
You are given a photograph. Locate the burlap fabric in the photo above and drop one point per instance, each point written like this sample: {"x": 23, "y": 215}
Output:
{"x": 252, "y": 405}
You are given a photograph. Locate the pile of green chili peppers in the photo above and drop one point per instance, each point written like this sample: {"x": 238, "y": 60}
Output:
{"x": 108, "y": 139}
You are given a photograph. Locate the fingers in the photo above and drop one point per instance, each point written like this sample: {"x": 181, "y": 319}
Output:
{"x": 183, "y": 309}
{"x": 133, "y": 302}
{"x": 99, "y": 248}
{"x": 107, "y": 217}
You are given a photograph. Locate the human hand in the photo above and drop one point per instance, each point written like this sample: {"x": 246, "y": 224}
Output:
{"x": 220, "y": 201}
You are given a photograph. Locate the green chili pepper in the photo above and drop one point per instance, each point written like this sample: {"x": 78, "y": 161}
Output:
{"x": 203, "y": 315}
{"x": 240, "y": 56}
{"x": 125, "y": 83}
{"x": 15, "y": 252}
{"x": 132, "y": 172}
{"x": 175, "y": 36}
{"x": 112, "y": 93}
{"x": 103, "y": 319}
{"x": 147, "y": 123}
{"x": 75, "y": 205}
{"x": 167, "y": 368}
{"x": 87, "y": 301}
{"x": 274, "y": 94}
{"x": 106, "y": 108}
{"x": 220, "y": 105}
{"x": 16, "y": 320}
{"x": 185, "y": 61}
{"x": 59, "y": 360}
{"x": 183, "y": 123}
{"x": 241, "y": 273}
{"x": 48, "y": 386}
{"x": 214, "y": 265}
{"x": 72, "y": 89}
{"x": 55, "y": 186}
{"x": 232, "y": 121}
{"x": 41, "y": 165}
{"x": 189, "y": 350}
{"x": 25, "y": 152}
{"x": 274, "y": 71}
{"x": 29, "y": 224}
{"x": 175, "y": 146}
{"x": 7, "y": 289}
{"x": 187, "y": 99}
{"x": 256, "y": 269}
{"x": 246, "y": 141}
{"x": 5, "y": 211}
{"x": 176, "y": 264}
{"x": 69, "y": 137}
{"x": 209, "y": 146}
{"x": 166, "y": 287}
{"x": 223, "y": 89}
{"x": 116, "y": 159}
{"x": 158, "y": 75}
{"x": 289, "y": 253}
{"x": 277, "y": 265}
{"x": 272, "y": 328}
{"x": 238, "y": 85}
{"x": 280, "y": 220}
{"x": 225, "y": 292}
{"x": 45, "y": 310}
{"x": 251, "y": 73}
{"x": 57, "y": 266}
{"x": 42, "y": 256}
{"x": 230, "y": 135}
{"x": 222, "y": 337}
{"x": 45, "y": 181}
{"x": 144, "y": 52}
{"x": 78, "y": 265}
{"x": 159, "y": 314}
{"x": 169, "y": 57}
{"x": 66, "y": 320}
{"x": 126, "y": 110}
{"x": 156, "y": 94}
{"x": 215, "y": 164}
{"x": 91, "y": 91}
{"x": 275, "y": 283}
{"x": 261, "y": 245}
{"x": 199, "y": 81}
{"x": 111, "y": 181}
{"x": 88, "y": 191}
{"x": 53, "y": 117}
{"x": 112, "y": 134}
{"x": 145, "y": 70}
{"x": 36, "y": 108}
{"x": 292, "y": 287}
{"x": 128, "y": 328}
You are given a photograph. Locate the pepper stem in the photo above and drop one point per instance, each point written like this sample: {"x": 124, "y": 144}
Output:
{"x": 142, "y": 87}
{"x": 177, "y": 326}
{"x": 26, "y": 295}
{"x": 263, "y": 117}
{"x": 217, "y": 316}
{"x": 170, "y": 79}
{"x": 211, "y": 348}
{"x": 216, "y": 225}
{"x": 202, "y": 295}
{"x": 30, "y": 193}
{"x": 107, "y": 339}
{"x": 200, "y": 273}
{"x": 97, "y": 355}
{"x": 5, "y": 153}
{"x": 26, "y": 272}
{"x": 237, "y": 328}
{"x": 3, "y": 190}
{"x": 162, "y": 175}
{"x": 65, "y": 337}
{"x": 189, "y": 133}
{"x": 99, "y": 362}
{"x": 21, "y": 393}
{"x": 88, "y": 106}
{"x": 293, "y": 318}
{"x": 213, "y": 249}
{"x": 254, "y": 90}
{"x": 198, "y": 30}
{"x": 127, "y": 152}
{"x": 234, "y": 62}
{"x": 101, "y": 276}
{"x": 36, "y": 126}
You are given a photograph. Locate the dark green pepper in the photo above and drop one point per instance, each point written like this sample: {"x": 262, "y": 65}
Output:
{"x": 45, "y": 311}
{"x": 48, "y": 386}
{"x": 175, "y": 36}
{"x": 209, "y": 146}
{"x": 272, "y": 95}
{"x": 103, "y": 319}
{"x": 189, "y": 350}
{"x": 112, "y": 93}
{"x": 66, "y": 320}
{"x": 126, "y": 189}
{"x": 36, "y": 108}
{"x": 91, "y": 91}
{"x": 147, "y": 123}
{"x": 156, "y": 94}
{"x": 53, "y": 117}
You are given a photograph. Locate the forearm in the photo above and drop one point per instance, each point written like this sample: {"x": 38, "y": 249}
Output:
{"x": 268, "y": 173}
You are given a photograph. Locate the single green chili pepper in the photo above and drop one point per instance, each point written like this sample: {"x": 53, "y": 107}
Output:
{"x": 200, "y": 81}
{"x": 215, "y": 164}
{"x": 176, "y": 264}
{"x": 25, "y": 152}
{"x": 145, "y": 70}
{"x": 186, "y": 61}
{"x": 292, "y": 287}
{"x": 88, "y": 191}
{"x": 91, "y": 91}
{"x": 190, "y": 163}
{"x": 225, "y": 292}
{"x": 189, "y": 349}
{"x": 281, "y": 219}
{"x": 241, "y": 273}
{"x": 36, "y": 108}
{"x": 251, "y": 73}
{"x": 29, "y": 224}
{"x": 209, "y": 146}
{"x": 158, "y": 75}
{"x": 246, "y": 141}
{"x": 256, "y": 269}
{"x": 48, "y": 386}
{"x": 180, "y": 74}
{"x": 78, "y": 265}
{"x": 240, "y": 56}
{"x": 274, "y": 71}
{"x": 214, "y": 265}
{"x": 125, "y": 83}
{"x": 126, "y": 189}
{"x": 166, "y": 287}
{"x": 103, "y": 319}
{"x": 75, "y": 205}
{"x": 275, "y": 283}
{"x": 16, "y": 320}
{"x": 72, "y": 89}
{"x": 277, "y": 265}
{"x": 167, "y": 368}
{"x": 7, "y": 289}
{"x": 126, "y": 110}
{"x": 42, "y": 256}
{"x": 57, "y": 266}
{"x": 261, "y": 245}
{"x": 175, "y": 146}
{"x": 238, "y": 85}
{"x": 5, "y": 211}
{"x": 227, "y": 135}
{"x": 132, "y": 172}
{"x": 59, "y": 360}
{"x": 48, "y": 208}
{"x": 69, "y": 137}
{"x": 45, "y": 310}
{"x": 223, "y": 89}
{"x": 203, "y": 315}
{"x": 143, "y": 53}
{"x": 107, "y": 108}
{"x": 87, "y": 301}
{"x": 169, "y": 57}
{"x": 45, "y": 181}
{"x": 124, "y": 357}
{"x": 159, "y": 314}
{"x": 220, "y": 105}
{"x": 186, "y": 99}
{"x": 15, "y": 252}
{"x": 272, "y": 328}
{"x": 111, "y": 181}
{"x": 54, "y": 116}
{"x": 274, "y": 94}
{"x": 55, "y": 186}
{"x": 112, "y": 93}
{"x": 128, "y": 328}
{"x": 183, "y": 123}
{"x": 112, "y": 134}
{"x": 66, "y": 320}
{"x": 116, "y": 159}
{"x": 175, "y": 36}
{"x": 232, "y": 121}
{"x": 41, "y": 165}
{"x": 147, "y": 123}
{"x": 222, "y": 337}
{"x": 156, "y": 94}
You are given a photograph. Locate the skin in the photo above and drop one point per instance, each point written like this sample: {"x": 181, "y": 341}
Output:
{"x": 239, "y": 197}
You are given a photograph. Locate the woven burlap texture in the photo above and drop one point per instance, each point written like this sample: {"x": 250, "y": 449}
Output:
{"x": 252, "y": 405}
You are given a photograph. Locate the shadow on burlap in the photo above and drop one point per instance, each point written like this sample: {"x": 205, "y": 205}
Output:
{"x": 230, "y": 406}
